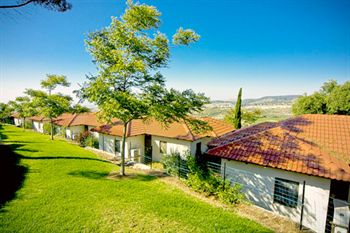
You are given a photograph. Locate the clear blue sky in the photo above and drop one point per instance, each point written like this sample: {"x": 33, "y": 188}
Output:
{"x": 267, "y": 47}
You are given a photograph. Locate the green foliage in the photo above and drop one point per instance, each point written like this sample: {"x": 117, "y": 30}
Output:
{"x": 211, "y": 184}
{"x": 185, "y": 37}
{"x": 53, "y": 80}
{"x": 331, "y": 99}
{"x": 5, "y": 112}
{"x": 51, "y": 105}
{"x": 65, "y": 179}
{"x": 171, "y": 163}
{"x": 238, "y": 113}
{"x": 24, "y": 107}
{"x": 87, "y": 139}
{"x": 231, "y": 194}
{"x": 129, "y": 84}
{"x": 78, "y": 109}
{"x": 47, "y": 128}
{"x": 201, "y": 179}
{"x": 248, "y": 117}
{"x": 29, "y": 125}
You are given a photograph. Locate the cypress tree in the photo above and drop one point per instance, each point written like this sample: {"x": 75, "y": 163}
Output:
{"x": 238, "y": 112}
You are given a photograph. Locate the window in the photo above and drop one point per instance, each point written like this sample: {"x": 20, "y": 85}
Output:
{"x": 286, "y": 192}
{"x": 163, "y": 147}
{"x": 117, "y": 146}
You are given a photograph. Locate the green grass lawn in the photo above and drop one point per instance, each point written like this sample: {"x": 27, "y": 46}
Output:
{"x": 64, "y": 188}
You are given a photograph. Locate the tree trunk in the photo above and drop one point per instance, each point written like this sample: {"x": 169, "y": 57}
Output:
{"x": 122, "y": 155}
{"x": 51, "y": 124}
{"x": 24, "y": 124}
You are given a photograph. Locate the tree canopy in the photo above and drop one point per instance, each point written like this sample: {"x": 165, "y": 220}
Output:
{"x": 332, "y": 98}
{"x": 57, "y": 5}
{"x": 23, "y": 107}
{"x": 51, "y": 105}
{"x": 129, "y": 85}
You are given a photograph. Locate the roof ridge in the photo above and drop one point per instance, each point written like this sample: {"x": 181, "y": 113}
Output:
{"x": 189, "y": 130}
{"x": 73, "y": 118}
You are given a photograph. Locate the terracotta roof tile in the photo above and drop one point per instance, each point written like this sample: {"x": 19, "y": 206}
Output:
{"x": 178, "y": 130}
{"x": 316, "y": 145}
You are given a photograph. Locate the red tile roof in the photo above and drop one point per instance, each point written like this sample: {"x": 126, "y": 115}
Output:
{"x": 317, "y": 145}
{"x": 178, "y": 130}
{"x": 69, "y": 119}
{"x": 37, "y": 118}
{"x": 64, "y": 119}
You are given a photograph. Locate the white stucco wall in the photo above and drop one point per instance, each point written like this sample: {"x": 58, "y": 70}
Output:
{"x": 259, "y": 188}
{"x": 107, "y": 144}
{"x": 18, "y": 121}
{"x": 73, "y": 131}
{"x": 173, "y": 145}
{"x": 38, "y": 126}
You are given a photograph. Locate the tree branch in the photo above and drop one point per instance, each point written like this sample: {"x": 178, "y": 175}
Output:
{"x": 18, "y": 5}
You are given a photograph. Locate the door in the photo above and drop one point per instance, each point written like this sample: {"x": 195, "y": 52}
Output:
{"x": 148, "y": 149}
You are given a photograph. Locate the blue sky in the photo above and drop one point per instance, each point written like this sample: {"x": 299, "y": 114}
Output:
{"x": 267, "y": 47}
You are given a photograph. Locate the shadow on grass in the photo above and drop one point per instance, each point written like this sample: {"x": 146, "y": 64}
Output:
{"x": 111, "y": 176}
{"x": 2, "y": 136}
{"x": 12, "y": 174}
{"x": 63, "y": 157}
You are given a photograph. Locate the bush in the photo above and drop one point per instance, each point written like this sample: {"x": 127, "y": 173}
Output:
{"x": 29, "y": 125}
{"x": 87, "y": 139}
{"x": 170, "y": 163}
{"x": 204, "y": 181}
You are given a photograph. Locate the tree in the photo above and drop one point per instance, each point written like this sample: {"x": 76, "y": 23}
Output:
{"x": 58, "y": 5}
{"x": 128, "y": 55}
{"x": 51, "y": 105}
{"x": 78, "y": 109}
{"x": 331, "y": 99}
{"x": 238, "y": 113}
{"x": 23, "y": 105}
{"x": 248, "y": 117}
{"x": 339, "y": 100}
{"x": 5, "y": 112}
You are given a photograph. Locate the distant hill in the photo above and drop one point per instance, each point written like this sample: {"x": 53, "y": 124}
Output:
{"x": 266, "y": 100}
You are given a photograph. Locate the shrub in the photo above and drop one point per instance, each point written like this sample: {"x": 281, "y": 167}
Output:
{"x": 29, "y": 125}
{"x": 87, "y": 139}
{"x": 231, "y": 194}
{"x": 204, "y": 181}
{"x": 171, "y": 164}
{"x": 47, "y": 128}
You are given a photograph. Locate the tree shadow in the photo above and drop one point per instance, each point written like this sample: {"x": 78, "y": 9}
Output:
{"x": 2, "y": 136}
{"x": 62, "y": 157}
{"x": 96, "y": 175}
{"x": 12, "y": 174}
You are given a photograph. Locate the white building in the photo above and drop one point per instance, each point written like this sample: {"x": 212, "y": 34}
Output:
{"x": 38, "y": 123}
{"x": 298, "y": 168}
{"x": 153, "y": 140}
{"x": 76, "y": 124}
{"x": 17, "y": 120}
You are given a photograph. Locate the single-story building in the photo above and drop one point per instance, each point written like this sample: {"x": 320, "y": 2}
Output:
{"x": 17, "y": 120}
{"x": 76, "y": 124}
{"x": 38, "y": 123}
{"x": 298, "y": 168}
{"x": 152, "y": 140}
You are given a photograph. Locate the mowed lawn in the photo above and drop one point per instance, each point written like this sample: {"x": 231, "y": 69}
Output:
{"x": 65, "y": 189}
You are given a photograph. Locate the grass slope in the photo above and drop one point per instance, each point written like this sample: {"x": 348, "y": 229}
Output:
{"x": 65, "y": 189}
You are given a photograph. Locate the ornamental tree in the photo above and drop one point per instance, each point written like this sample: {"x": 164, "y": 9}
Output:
{"x": 24, "y": 107}
{"x": 129, "y": 54}
{"x": 51, "y": 105}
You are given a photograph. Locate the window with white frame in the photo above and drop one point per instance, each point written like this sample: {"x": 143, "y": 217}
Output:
{"x": 286, "y": 192}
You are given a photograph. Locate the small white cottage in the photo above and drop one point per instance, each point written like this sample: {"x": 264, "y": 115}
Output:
{"x": 150, "y": 138}
{"x": 298, "y": 168}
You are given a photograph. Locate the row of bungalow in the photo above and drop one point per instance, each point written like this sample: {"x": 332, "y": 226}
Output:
{"x": 298, "y": 168}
